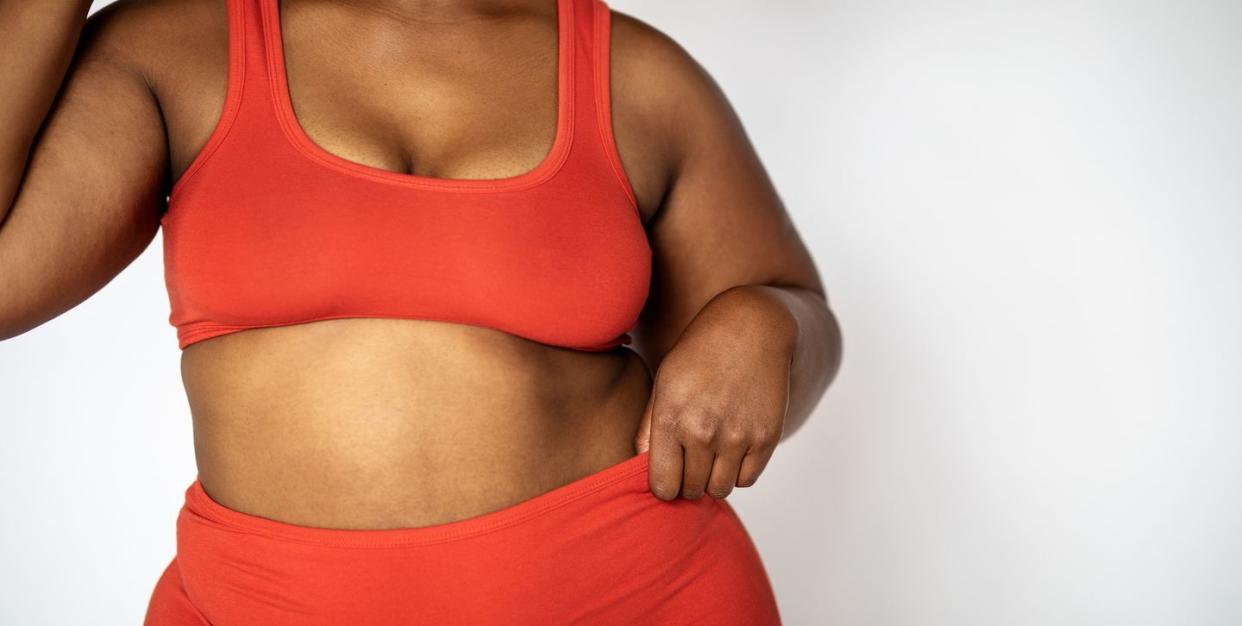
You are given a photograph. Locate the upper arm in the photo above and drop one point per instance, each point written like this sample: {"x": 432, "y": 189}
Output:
{"x": 94, "y": 186}
{"x": 719, "y": 222}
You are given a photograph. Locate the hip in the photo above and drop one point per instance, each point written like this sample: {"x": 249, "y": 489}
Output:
{"x": 599, "y": 550}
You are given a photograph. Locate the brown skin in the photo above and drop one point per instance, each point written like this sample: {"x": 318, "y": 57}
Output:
{"x": 377, "y": 423}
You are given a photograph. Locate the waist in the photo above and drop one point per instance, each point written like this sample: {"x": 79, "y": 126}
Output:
{"x": 372, "y": 424}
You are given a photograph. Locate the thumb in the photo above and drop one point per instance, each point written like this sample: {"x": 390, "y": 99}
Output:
{"x": 642, "y": 441}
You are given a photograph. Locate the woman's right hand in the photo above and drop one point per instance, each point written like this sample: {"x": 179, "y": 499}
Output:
{"x": 83, "y": 156}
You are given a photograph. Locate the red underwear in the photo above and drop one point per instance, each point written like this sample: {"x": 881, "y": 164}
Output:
{"x": 600, "y": 550}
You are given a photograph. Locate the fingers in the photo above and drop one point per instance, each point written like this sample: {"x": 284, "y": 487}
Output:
{"x": 692, "y": 470}
{"x": 689, "y": 457}
{"x": 696, "y": 448}
{"x": 698, "y": 469}
{"x": 691, "y": 464}
{"x": 725, "y": 471}
{"x": 752, "y": 465}
{"x": 664, "y": 471}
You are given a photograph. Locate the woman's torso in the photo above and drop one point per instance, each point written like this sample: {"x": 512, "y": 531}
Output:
{"x": 381, "y": 422}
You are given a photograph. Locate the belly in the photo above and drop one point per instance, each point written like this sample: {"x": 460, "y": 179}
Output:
{"x": 379, "y": 423}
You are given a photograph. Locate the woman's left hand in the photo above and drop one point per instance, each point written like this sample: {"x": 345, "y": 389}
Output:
{"x": 719, "y": 398}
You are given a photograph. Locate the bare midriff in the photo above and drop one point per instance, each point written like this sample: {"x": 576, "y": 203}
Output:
{"x": 386, "y": 423}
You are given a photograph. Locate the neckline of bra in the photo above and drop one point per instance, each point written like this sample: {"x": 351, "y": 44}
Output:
{"x": 298, "y": 138}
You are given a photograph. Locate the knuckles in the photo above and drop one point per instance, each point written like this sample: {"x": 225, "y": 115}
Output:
{"x": 765, "y": 436}
{"x": 698, "y": 432}
{"x": 735, "y": 437}
{"x": 701, "y": 428}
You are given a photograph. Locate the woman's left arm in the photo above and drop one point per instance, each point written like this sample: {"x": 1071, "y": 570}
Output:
{"x": 737, "y": 327}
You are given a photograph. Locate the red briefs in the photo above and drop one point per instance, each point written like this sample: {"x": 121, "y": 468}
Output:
{"x": 600, "y": 550}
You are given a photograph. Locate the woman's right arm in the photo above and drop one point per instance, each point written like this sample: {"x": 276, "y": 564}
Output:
{"x": 83, "y": 155}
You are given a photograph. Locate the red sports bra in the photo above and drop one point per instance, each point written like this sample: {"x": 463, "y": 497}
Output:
{"x": 265, "y": 228}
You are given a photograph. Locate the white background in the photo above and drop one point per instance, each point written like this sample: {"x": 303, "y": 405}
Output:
{"x": 1028, "y": 218}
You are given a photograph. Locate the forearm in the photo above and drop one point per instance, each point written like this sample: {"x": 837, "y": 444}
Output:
{"x": 37, "y": 40}
{"x": 804, "y": 317}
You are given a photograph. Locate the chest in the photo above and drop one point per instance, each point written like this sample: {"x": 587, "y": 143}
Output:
{"x": 470, "y": 99}
{"x": 271, "y": 225}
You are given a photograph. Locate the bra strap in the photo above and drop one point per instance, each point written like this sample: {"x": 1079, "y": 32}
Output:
{"x": 594, "y": 143}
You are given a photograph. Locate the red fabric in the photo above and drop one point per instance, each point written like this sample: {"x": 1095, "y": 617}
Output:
{"x": 265, "y": 228}
{"x": 601, "y": 550}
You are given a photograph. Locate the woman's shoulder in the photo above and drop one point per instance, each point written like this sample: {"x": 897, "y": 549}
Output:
{"x": 665, "y": 101}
